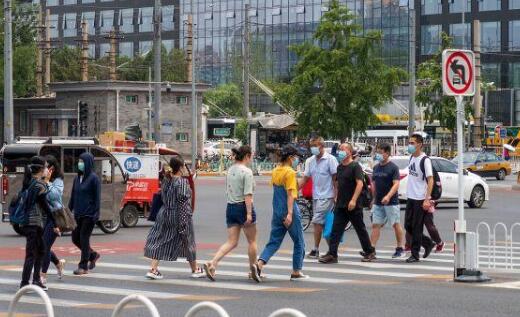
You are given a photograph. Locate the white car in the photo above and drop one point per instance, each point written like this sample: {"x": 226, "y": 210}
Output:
{"x": 476, "y": 190}
{"x": 215, "y": 149}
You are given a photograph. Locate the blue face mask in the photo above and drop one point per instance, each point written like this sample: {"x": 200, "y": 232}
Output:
{"x": 295, "y": 163}
{"x": 378, "y": 157}
{"x": 411, "y": 148}
{"x": 341, "y": 156}
{"x": 315, "y": 150}
{"x": 81, "y": 166}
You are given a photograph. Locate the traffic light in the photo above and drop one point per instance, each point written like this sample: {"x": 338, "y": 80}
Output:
{"x": 83, "y": 118}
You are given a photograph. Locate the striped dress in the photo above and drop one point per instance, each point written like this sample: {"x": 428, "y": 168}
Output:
{"x": 172, "y": 236}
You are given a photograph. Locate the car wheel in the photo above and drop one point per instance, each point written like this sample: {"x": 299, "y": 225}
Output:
{"x": 110, "y": 226}
{"x": 501, "y": 175}
{"x": 129, "y": 216}
{"x": 477, "y": 198}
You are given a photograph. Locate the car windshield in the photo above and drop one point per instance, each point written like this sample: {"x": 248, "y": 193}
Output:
{"x": 469, "y": 157}
{"x": 401, "y": 163}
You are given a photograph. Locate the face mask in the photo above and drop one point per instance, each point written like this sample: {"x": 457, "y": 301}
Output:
{"x": 315, "y": 150}
{"x": 81, "y": 166}
{"x": 341, "y": 156}
{"x": 295, "y": 162}
{"x": 378, "y": 157}
{"x": 411, "y": 149}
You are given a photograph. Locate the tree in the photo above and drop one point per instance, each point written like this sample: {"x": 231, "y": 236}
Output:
{"x": 65, "y": 64}
{"x": 340, "y": 79}
{"x": 430, "y": 95}
{"x": 241, "y": 130}
{"x": 224, "y": 100}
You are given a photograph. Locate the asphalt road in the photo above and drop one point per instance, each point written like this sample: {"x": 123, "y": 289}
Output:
{"x": 385, "y": 288}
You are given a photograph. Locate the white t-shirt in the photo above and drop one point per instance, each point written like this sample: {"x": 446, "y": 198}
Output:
{"x": 417, "y": 182}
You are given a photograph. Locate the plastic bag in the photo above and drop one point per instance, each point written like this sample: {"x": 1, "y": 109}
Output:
{"x": 327, "y": 228}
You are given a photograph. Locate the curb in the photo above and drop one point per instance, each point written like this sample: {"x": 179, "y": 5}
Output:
{"x": 217, "y": 174}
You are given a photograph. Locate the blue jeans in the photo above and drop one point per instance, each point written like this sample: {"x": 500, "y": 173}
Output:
{"x": 49, "y": 237}
{"x": 278, "y": 230}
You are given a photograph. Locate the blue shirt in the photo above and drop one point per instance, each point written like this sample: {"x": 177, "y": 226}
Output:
{"x": 55, "y": 194}
{"x": 322, "y": 171}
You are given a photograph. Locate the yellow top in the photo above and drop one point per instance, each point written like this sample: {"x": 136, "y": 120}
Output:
{"x": 285, "y": 176}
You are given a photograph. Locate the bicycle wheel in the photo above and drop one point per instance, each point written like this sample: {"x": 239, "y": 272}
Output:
{"x": 306, "y": 213}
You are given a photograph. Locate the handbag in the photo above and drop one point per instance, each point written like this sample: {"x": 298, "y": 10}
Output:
{"x": 64, "y": 219}
{"x": 157, "y": 203}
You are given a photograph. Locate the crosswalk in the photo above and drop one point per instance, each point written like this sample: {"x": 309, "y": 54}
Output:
{"x": 112, "y": 280}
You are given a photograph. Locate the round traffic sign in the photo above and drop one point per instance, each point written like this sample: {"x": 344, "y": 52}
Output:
{"x": 459, "y": 77}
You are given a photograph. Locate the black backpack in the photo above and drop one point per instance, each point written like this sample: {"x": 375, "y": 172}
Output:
{"x": 366, "y": 196}
{"x": 437, "y": 186}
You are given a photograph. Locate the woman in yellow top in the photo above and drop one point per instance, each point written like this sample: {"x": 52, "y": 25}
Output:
{"x": 286, "y": 216}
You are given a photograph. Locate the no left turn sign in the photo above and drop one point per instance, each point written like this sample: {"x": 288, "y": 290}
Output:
{"x": 458, "y": 73}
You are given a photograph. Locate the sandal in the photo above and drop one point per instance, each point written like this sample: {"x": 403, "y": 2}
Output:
{"x": 210, "y": 271}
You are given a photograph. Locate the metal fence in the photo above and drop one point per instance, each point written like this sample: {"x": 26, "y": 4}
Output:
{"x": 496, "y": 246}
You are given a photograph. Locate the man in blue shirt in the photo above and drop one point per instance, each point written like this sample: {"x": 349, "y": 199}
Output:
{"x": 322, "y": 168}
{"x": 386, "y": 201}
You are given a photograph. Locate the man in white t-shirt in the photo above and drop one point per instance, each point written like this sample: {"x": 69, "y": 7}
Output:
{"x": 419, "y": 189}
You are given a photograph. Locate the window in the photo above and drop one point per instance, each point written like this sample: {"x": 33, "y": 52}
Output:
{"x": 71, "y": 159}
{"x": 490, "y": 157}
{"x": 65, "y": 2}
{"x": 490, "y": 36}
{"x": 126, "y": 20}
{"x": 183, "y": 100}
{"x": 276, "y": 11}
{"x": 514, "y": 75}
{"x": 431, "y": 7}
{"x": 144, "y": 47}
{"x": 69, "y": 25}
{"x": 89, "y": 17}
{"x": 126, "y": 49}
{"x": 445, "y": 166}
{"x": 168, "y": 44}
{"x": 92, "y": 50}
{"x": 514, "y": 4}
{"x": 131, "y": 99}
{"x": 491, "y": 72}
{"x": 54, "y": 25}
{"x": 88, "y": 1}
{"x": 430, "y": 39}
{"x": 457, "y": 6}
{"x": 55, "y": 151}
{"x": 461, "y": 33}
{"x": 489, "y": 5}
{"x": 181, "y": 137}
{"x": 146, "y": 19}
{"x": 104, "y": 49}
{"x": 104, "y": 168}
{"x": 51, "y": 3}
{"x": 168, "y": 18}
{"x": 514, "y": 35}
{"x": 106, "y": 21}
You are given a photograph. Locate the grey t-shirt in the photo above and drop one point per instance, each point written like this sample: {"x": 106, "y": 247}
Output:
{"x": 239, "y": 183}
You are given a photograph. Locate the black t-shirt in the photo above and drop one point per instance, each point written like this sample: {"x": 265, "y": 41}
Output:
{"x": 347, "y": 176}
{"x": 383, "y": 177}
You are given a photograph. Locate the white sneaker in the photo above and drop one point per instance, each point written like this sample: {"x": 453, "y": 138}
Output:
{"x": 199, "y": 273}
{"x": 43, "y": 280}
{"x": 154, "y": 275}
{"x": 60, "y": 268}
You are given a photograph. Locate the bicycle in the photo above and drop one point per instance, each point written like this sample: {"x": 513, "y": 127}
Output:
{"x": 305, "y": 206}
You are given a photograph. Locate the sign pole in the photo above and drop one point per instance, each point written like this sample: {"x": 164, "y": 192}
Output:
{"x": 460, "y": 224}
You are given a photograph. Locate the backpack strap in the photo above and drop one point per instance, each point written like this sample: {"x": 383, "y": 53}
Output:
{"x": 422, "y": 166}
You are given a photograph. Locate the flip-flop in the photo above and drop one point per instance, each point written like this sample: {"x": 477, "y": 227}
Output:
{"x": 210, "y": 271}
{"x": 255, "y": 273}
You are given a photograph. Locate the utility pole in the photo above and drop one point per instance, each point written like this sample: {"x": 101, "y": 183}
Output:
{"x": 8, "y": 73}
{"x": 84, "y": 50}
{"x": 47, "y": 51}
{"x": 157, "y": 69}
{"x": 149, "y": 110}
{"x": 194, "y": 108}
{"x": 411, "y": 85}
{"x": 113, "y": 38}
{"x": 245, "y": 62}
{"x": 189, "y": 48}
{"x": 477, "y": 100}
{"x": 39, "y": 57}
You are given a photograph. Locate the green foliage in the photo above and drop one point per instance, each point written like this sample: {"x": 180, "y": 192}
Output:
{"x": 227, "y": 98}
{"x": 65, "y": 64}
{"x": 241, "y": 130}
{"x": 340, "y": 79}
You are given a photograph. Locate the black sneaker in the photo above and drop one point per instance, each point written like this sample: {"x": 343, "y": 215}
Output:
{"x": 314, "y": 254}
{"x": 41, "y": 285}
{"x": 412, "y": 259}
{"x": 92, "y": 263}
{"x": 428, "y": 250}
{"x": 362, "y": 253}
{"x": 328, "y": 259}
{"x": 369, "y": 257}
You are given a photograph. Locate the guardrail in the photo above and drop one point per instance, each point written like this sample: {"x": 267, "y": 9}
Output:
{"x": 206, "y": 306}
{"x": 136, "y": 298}
{"x": 500, "y": 254}
{"x": 27, "y": 289}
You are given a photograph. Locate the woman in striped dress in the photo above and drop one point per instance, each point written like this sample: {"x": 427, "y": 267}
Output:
{"x": 172, "y": 235}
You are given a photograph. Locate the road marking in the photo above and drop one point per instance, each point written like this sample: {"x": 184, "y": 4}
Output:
{"x": 38, "y": 301}
{"x": 508, "y": 285}
{"x": 21, "y": 315}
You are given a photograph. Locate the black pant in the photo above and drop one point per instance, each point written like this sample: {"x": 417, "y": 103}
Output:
{"x": 81, "y": 239}
{"x": 34, "y": 252}
{"x": 341, "y": 218}
{"x": 430, "y": 227}
{"x": 414, "y": 225}
{"x": 49, "y": 237}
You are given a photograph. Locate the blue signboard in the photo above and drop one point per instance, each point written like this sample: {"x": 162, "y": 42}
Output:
{"x": 132, "y": 164}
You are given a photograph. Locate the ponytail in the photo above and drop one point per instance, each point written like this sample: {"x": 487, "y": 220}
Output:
{"x": 241, "y": 152}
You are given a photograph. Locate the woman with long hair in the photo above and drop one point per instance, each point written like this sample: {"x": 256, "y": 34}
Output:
{"x": 54, "y": 182}
{"x": 37, "y": 211}
{"x": 240, "y": 214}
{"x": 172, "y": 235}
{"x": 286, "y": 216}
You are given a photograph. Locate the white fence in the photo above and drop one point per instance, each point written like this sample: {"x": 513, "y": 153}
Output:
{"x": 152, "y": 309}
{"x": 496, "y": 246}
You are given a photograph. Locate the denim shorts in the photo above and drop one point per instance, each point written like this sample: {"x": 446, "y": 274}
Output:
{"x": 386, "y": 213}
{"x": 236, "y": 214}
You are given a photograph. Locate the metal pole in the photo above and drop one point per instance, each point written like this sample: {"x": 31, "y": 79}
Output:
{"x": 78, "y": 122}
{"x": 8, "y": 74}
{"x": 149, "y": 110}
{"x": 477, "y": 99}
{"x": 194, "y": 112}
{"x": 47, "y": 52}
{"x": 246, "y": 62}
{"x": 157, "y": 69}
{"x": 460, "y": 238}
{"x": 411, "y": 101}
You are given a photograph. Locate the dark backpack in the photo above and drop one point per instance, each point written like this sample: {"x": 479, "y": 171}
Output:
{"x": 437, "y": 186}
{"x": 366, "y": 196}
{"x": 18, "y": 211}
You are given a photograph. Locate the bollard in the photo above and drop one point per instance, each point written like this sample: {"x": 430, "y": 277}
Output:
{"x": 206, "y": 306}
{"x": 27, "y": 289}
{"x": 287, "y": 312}
{"x": 135, "y": 298}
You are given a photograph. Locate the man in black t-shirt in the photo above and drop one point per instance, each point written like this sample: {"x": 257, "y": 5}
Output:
{"x": 386, "y": 209}
{"x": 349, "y": 184}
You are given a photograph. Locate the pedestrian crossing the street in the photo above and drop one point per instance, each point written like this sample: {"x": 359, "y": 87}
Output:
{"x": 112, "y": 280}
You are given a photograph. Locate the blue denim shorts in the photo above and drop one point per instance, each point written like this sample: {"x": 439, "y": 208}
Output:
{"x": 386, "y": 213}
{"x": 236, "y": 214}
